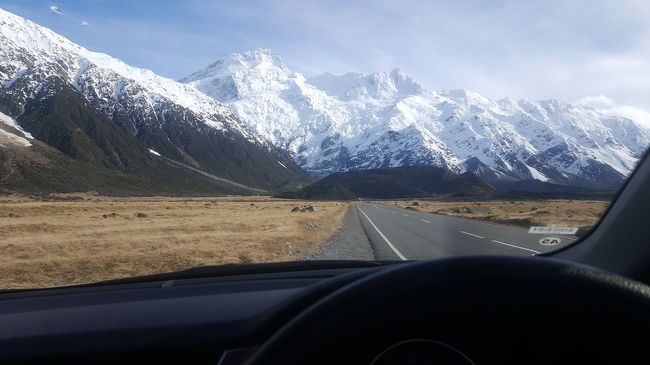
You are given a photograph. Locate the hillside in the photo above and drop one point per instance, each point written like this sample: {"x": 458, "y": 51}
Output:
{"x": 32, "y": 167}
{"x": 408, "y": 182}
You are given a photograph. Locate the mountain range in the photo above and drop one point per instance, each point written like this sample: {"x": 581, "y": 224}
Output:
{"x": 72, "y": 119}
{"x": 331, "y": 123}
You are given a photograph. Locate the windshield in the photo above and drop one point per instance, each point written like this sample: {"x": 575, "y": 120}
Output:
{"x": 141, "y": 137}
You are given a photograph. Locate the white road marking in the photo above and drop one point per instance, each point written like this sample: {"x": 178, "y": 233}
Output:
{"x": 511, "y": 245}
{"x": 406, "y": 215}
{"x": 424, "y": 220}
{"x": 399, "y": 254}
{"x": 471, "y": 234}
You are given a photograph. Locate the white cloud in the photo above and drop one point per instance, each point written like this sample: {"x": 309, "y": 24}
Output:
{"x": 83, "y": 23}
{"x": 608, "y": 106}
{"x": 56, "y": 10}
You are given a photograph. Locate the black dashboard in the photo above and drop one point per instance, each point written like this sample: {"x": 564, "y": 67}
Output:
{"x": 164, "y": 321}
{"x": 489, "y": 309}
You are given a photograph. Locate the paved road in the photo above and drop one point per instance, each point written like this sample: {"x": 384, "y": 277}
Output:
{"x": 398, "y": 233}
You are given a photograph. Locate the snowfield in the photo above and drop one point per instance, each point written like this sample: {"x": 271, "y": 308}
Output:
{"x": 7, "y": 139}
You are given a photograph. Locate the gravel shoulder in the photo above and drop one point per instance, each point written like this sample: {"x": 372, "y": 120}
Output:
{"x": 348, "y": 243}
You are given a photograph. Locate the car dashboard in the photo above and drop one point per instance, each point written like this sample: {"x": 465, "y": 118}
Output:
{"x": 205, "y": 320}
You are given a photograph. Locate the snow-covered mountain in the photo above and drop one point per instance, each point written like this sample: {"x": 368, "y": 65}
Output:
{"x": 337, "y": 123}
{"x": 45, "y": 76}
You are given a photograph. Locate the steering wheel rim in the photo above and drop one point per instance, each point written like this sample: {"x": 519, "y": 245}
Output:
{"x": 491, "y": 308}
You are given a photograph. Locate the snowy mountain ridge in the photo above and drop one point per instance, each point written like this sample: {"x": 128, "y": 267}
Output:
{"x": 337, "y": 123}
{"x": 64, "y": 95}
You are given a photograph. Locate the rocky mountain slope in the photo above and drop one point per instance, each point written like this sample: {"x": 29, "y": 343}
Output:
{"x": 30, "y": 166}
{"x": 96, "y": 109}
{"x": 333, "y": 123}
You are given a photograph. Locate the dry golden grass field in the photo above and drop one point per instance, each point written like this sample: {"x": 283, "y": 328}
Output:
{"x": 573, "y": 213}
{"x": 46, "y": 243}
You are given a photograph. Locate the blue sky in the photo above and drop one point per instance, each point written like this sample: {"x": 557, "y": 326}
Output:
{"x": 596, "y": 52}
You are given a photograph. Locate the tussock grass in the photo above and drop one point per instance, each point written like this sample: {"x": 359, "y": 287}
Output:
{"x": 47, "y": 243}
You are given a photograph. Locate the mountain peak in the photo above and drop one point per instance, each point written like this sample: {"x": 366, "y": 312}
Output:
{"x": 260, "y": 60}
{"x": 377, "y": 85}
{"x": 260, "y": 57}
{"x": 464, "y": 96}
{"x": 18, "y": 32}
{"x": 404, "y": 82}
{"x": 399, "y": 75}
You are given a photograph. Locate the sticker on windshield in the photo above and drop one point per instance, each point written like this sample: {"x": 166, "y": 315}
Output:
{"x": 553, "y": 230}
{"x": 550, "y": 241}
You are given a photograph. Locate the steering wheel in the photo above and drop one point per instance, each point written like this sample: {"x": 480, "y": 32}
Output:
{"x": 490, "y": 310}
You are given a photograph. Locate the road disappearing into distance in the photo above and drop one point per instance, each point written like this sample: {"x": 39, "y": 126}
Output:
{"x": 400, "y": 234}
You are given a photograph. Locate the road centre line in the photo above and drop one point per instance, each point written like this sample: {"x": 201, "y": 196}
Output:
{"x": 515, "y": 246}
{"x": 471, "y": 234}
{"x": 399, "y": 254}
{"x": 467, "y": 233}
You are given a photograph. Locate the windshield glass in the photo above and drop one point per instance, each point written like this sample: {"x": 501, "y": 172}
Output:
{"x": 141, "y": 137}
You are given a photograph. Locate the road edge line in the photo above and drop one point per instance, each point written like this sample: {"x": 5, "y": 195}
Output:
{"x": 471, "y": 234}
{"x": 515, "y": 246}
{"x": 399, "y": 254}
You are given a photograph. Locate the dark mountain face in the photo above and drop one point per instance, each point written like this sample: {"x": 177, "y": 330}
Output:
{"x": 319, "y": 192}
{"x": 41, "y": 169}
{"x": 60, "y": 117}
{"x": 98, "y": 111}
{"x": 408, "y": 181}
